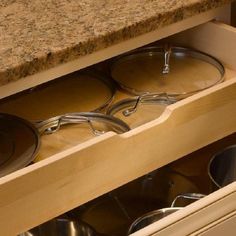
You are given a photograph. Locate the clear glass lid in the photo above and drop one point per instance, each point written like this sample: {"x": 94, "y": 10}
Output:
{"x": 76, "y": 92}
{"x": 72, "y": 129}
{"x": 136, "y": 111}
{"x": 19, "y": 143}
{"x": 97, "y": 122}
{"x": 171, "y": 70}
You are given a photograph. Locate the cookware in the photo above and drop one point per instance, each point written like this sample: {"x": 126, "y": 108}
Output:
{"x": 156, "y": 215}
{"x": 19, "y": 143}
{"x": 154, "y": 191}
{"x": 222, "y": 167}
{"x": 150, "y": 218}
{"x": 20, "y": 139}
{"x": 176, "y": 71}
{"x": 138, "y": 110}
{"x": 62, "y": 227}
{"x": 104, "y": 214}
{"x": 111, "y": 123}
{"x": 76, "y": 92}
{"x": 113, "y": 213}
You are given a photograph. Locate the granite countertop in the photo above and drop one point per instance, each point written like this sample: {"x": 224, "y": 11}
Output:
{"x": 40, "y": 34}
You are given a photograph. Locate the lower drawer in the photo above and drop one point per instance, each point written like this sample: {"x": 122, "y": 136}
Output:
{"x": 76, "y": 175}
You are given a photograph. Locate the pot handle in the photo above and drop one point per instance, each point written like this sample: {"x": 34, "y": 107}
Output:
{"x": 192, "y": 196}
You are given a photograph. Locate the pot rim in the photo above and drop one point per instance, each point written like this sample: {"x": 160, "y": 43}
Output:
{"x": 161, "y": 210}
{"x": 211, "y": 161}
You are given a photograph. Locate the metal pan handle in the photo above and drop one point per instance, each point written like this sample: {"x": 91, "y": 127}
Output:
{"x": 192, "y": 196}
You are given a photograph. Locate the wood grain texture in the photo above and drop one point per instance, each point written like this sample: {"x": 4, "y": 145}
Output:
{"x": 224, "y": 226}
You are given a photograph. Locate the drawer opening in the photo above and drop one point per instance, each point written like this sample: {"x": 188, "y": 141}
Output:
{"x": 199, "y": 38}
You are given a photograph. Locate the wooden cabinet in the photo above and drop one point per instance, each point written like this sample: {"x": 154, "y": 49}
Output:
{"x": 72, "y": 177}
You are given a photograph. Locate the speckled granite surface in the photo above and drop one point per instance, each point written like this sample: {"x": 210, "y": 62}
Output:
{"x": 40, "y": 34}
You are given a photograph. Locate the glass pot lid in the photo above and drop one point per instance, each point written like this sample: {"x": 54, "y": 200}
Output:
{"x": 171, "y": 70}
{"x": 72, "y": 129}
{"x": 20, "y": 139}
{"x": 77, "y": 92}
{"x": 19, "y": 143}
{"x": 97, "y": 122}
{"x": 136, "y": 111}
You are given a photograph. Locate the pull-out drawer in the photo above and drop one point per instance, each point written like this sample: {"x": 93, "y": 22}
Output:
{"x": 76, "y": 175}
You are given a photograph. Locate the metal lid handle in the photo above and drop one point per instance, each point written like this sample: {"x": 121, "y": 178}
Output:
{"x": 166, "y": 67}
{"x": 192, "y": 196}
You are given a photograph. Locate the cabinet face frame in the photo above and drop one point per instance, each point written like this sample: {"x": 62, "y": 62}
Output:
{"x": 21, "y": 194}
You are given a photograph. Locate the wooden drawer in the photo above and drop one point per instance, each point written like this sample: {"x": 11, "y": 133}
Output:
{"x": 72, "y": 177}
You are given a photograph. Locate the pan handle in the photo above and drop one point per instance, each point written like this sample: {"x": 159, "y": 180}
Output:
{"x": 52, "y": 125}
{"x": 192, "y": 196}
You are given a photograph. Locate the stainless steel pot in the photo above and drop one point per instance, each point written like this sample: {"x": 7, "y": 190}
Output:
{"x": 156, "y": 215}
{"x": 222, "y": 167}
{"x": 113, "y": 213}
{"x": 150, "y": 218}
{"x": 61, "y": 227}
